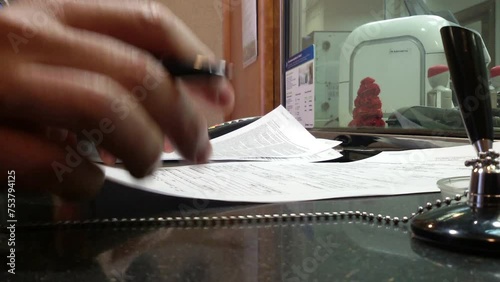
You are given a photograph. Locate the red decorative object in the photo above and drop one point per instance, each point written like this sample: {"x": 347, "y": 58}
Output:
{"x": 495, "y": 71}
{"x": 368, "y": 111}
{"x": 435, "y": 70}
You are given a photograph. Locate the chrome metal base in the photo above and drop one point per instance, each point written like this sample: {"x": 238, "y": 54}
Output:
{"x": 459, "y": 227}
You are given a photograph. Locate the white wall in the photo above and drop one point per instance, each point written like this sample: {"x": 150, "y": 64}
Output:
{"x": 452, "y": 5}
{"x": 395, "y": 9}
{"x": 331, "y": 15}
{"x": 348, "y": 15}
{"x": 459, "y": 5}
{"x": 298, "y": 23}
{"x": 315, "y": 17}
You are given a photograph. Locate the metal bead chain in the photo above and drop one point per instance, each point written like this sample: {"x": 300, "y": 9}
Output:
{"x": 214, "y": 221}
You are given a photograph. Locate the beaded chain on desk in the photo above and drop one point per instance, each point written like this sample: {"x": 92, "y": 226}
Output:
{"x": 245, "y": 220}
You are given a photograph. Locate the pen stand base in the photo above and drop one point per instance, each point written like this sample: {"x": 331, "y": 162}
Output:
{"x": 460, "y": 228}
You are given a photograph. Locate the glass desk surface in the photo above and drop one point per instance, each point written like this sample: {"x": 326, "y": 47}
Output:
{"x": 348, "y": 249}
{"x": 342, "y": 249}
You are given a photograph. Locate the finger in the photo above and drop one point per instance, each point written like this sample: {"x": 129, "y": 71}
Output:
{"x": 152, "y": 27}
{"x": 40, "y": 165}
{"x": 56, "y": 134}
{"x": 136, "y": 70}
{"x": 216, "y": 91}
{"x": 146, "y": 79}
{"x": 167, "y": 146}
{"x": 91, "y": 104}
{"x": 106, "y": 157}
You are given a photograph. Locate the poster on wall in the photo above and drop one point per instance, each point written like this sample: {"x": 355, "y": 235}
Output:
{"x": 249, "y": 32}
{"x": 300, "y": 86}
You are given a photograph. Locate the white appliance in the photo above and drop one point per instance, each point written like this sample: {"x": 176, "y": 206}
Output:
{"x": 439, "y": 95}
{"x": 326, "y": 96}
{"x": 396, "y": 53}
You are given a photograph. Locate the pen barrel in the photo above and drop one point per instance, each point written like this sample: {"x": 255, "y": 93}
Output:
{"x": 466, "y": 61}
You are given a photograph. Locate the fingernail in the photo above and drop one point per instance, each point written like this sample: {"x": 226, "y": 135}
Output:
{"x": 64, "y": 135}
{"x": 156, "y": 165}
{"x": 55, "y": 134}
{"x": 107, "y": 158}
{"x": 167, "y": 146}
{"x": 203, "y": 153}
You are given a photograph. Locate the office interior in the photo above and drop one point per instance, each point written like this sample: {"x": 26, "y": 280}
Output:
{"x": 126, "y": 234}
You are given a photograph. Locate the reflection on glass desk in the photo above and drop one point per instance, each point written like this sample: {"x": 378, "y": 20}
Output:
{"x": 346, "y": 249}
{"x": 341, "y": 249}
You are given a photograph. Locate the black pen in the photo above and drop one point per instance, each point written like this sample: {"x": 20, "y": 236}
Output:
{"x": 199, "y": 66}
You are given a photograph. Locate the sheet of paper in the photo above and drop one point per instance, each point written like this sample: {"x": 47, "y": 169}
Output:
{"x": 275, "y": 136}
{"x": 389, "y": 173}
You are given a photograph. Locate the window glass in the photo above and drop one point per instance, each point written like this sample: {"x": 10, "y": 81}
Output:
{"x": 379, "y": 64}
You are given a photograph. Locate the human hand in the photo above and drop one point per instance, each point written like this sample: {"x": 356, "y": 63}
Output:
{"x": 88, "y": 67}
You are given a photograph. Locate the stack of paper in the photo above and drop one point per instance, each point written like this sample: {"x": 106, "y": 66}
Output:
{"x": 277, "y": 136}
{"x": 389, "y": 173}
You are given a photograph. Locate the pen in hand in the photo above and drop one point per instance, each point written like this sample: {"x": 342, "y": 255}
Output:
{"x": 199, "y": 66}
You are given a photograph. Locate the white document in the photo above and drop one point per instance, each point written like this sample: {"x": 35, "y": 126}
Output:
{"x": 389, "y": 173}
{"x": 277, "y": 136}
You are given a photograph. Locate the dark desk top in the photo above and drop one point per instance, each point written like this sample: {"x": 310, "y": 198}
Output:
{"x": 348, "y": 249}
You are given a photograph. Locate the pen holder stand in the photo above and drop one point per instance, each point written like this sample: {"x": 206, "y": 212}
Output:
{"x": 473, "y": 225}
